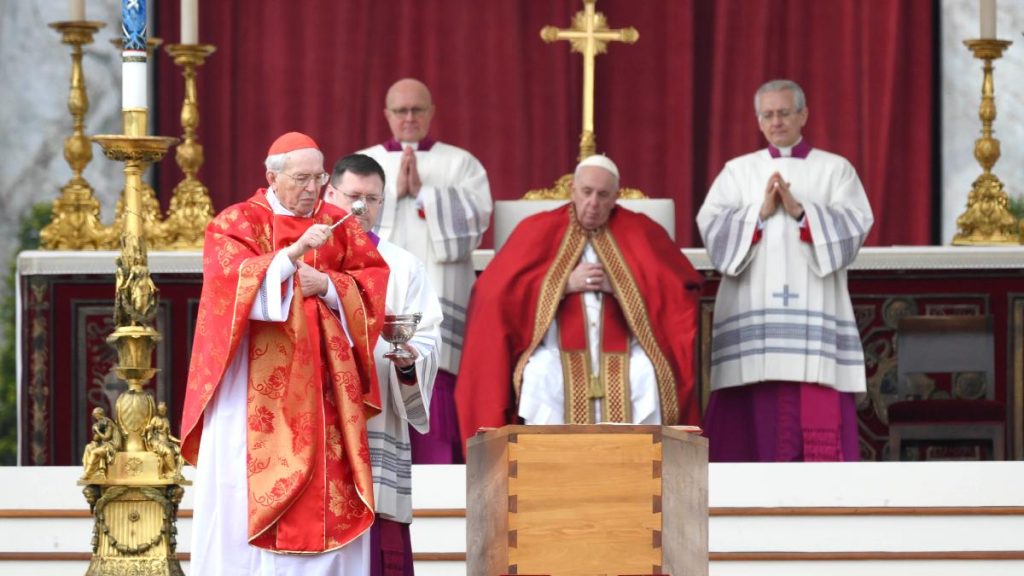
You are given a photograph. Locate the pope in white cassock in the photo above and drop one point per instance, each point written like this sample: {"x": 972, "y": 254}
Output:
{"x": 782, "y": 225}
{"x": 437, "y": 206}
{"x": 405, "y": 385}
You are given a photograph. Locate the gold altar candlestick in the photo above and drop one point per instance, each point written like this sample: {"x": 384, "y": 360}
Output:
{"x": 191, "y": 208}
{"x": 987, "y": 220}
{"x": 589, "y": 35}
{"x": 132, "y": 466}
{"x": 134, "y": 483}
{"x": 150, "y": 208}
{"x": 76, "y": 213}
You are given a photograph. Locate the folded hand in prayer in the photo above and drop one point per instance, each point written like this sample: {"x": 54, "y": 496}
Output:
{"x": 588, "y": 277}
{"x": 408, "y": 175}
{"x": 776, "y": 192}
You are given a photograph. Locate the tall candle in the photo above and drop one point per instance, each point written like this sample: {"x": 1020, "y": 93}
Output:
{"x": 77, "y": 10}
{"x": 988, "y": 18}
{"x": 133, "y": 56}
{"x": 190, "y": 21}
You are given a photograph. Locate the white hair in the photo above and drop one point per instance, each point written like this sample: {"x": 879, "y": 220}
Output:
{"x": 275, "y": 162}
{"x": 799, "y": 100}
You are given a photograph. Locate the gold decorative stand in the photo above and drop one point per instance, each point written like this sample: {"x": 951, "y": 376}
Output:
{"x": 152, "y": 215}
{"x": 987, "y": 220}
{"x": 132, "y": 467}
{"x": 76, "y": 214}
{"x": 589, "y": 36}
{"x": 191, "y": 208}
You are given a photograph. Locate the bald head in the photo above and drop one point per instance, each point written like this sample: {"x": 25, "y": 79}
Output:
{"x": 404, "y": 88}
{"x": 409, "y": 109}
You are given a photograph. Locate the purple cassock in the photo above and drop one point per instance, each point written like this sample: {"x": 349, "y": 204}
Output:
{"x": 781, "y": 422}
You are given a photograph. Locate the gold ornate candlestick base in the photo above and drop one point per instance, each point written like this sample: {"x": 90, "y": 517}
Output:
{"x": 76, "y": 213}
{"x": 132, "y": 468}
{"x": 987, "y": 220}
{"x": 191, "y": 208}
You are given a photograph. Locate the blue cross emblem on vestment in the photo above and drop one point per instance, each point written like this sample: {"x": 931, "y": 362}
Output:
{"x": 786, "y": 295}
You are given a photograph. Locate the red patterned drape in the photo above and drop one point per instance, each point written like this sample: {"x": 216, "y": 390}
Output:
{"x": 670, "y": 109}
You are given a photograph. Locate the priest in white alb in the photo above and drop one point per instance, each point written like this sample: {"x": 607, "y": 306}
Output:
{"x": 437, "y": 206}
{"x": 405, "y": 383}
{"x": 782, "y": 225}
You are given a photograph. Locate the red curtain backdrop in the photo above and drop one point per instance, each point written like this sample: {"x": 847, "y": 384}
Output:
{"x": 670, "y": 109}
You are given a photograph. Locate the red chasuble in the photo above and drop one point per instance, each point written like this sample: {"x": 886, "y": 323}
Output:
{"x": 310, "y": 394}
{"x": 520, "y": 292}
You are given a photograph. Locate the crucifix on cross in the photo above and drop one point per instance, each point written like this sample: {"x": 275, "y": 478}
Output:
{"x": 589, "y": 35}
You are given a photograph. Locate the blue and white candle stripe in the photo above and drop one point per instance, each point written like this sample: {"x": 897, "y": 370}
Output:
{"x": 134, "y": 79}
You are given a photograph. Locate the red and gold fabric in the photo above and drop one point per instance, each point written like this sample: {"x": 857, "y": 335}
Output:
{"x": 611, "y": 384}
{"x": 521, "y": 291}
{"x": 309, "y": 478}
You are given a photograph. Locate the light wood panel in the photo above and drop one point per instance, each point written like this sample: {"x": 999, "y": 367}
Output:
{"x": 587, "y": 500}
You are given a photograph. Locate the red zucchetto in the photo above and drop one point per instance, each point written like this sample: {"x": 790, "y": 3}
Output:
{"x": 291, "y": 142}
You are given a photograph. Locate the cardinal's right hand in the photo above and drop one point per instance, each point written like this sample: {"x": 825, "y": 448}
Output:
{"x": 313, "y": 237}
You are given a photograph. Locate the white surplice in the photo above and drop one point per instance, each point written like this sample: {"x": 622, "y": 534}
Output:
{"x": 409, "y": 292}
{"x": 783, "y": 310}
{"x": 455, "y": 200}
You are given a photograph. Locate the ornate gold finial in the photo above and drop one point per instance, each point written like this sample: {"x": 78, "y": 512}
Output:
{"x": 589, "y": 36}
{"x": 987, "y": 219}
{"x": 191, "y": 208}
{"x": 76, "y": 213}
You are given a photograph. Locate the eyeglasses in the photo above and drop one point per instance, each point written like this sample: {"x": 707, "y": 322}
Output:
{"x": 416, "y": 111}
{"x": 367, "y": 199}
{"x": 769, "y": 115}
{"x": 303, "y": 180}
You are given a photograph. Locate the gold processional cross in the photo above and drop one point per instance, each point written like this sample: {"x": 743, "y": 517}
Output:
{"x": 589, "y": 36}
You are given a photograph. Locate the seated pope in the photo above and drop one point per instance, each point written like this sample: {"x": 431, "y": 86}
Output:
{"x": 587, "y": 314}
